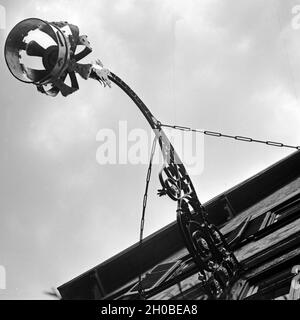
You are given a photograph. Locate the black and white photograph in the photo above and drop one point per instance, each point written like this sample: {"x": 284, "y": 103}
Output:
{"x": 149, "y": 153}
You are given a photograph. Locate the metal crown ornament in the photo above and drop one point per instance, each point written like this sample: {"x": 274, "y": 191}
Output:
{"x": 51, "y": 46}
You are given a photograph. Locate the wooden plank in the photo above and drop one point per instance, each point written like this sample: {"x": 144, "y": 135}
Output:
{"x": 272, "y": 239}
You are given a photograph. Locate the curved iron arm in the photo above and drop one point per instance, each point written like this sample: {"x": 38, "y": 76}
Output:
{"x": 170, "y": 156}
{"x": 217, "y": 265}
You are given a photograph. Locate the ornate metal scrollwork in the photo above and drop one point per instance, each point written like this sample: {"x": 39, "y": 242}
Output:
{"x": 203, "y": 240}
{"x": 217, "y": 265}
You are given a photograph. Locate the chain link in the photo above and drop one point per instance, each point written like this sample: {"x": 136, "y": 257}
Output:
{"x": 141, "y": 290}
{"x": 146, "y": 188}
{"x": 238, "y": 138}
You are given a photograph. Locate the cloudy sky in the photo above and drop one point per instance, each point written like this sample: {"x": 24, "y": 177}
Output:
{"x": 229, "y": 66}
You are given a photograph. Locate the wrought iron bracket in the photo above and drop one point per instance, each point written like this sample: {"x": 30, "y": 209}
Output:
{"x": 217, "y": 265}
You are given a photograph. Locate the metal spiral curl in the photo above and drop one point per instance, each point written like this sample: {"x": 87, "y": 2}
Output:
{"x": 175, "y": 183}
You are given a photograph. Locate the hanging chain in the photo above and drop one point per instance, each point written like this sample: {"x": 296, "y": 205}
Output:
{"x": 141, "y": 290}
{"x": 146, "y": 189}
{"x": 238, "y": 138}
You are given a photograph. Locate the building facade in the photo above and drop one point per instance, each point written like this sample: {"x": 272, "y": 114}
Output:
{"x": 260, "y": 219}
